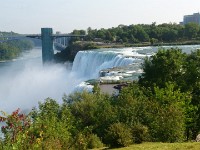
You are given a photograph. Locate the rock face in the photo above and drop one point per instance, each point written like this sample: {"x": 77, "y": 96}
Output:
{"x": 198, "y": 138}
{"x": 69, "y": 53}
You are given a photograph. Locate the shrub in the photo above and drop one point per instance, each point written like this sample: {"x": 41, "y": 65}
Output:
{"x": 80, "y": 142}
{"x": 52, "y": 143}
{"x": 119, "y": 135}
{"x": 84, "y": 140}
{"x": 15, "y": 131}
{"x": 139, "y": 133}
{"x": 94, "y": 141}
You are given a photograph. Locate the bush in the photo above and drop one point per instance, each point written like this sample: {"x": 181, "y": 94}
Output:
{"x": 139, "y": 133}
{"x": 87, "y": 141}
{"x": 52, "y": 143}
{"x": 80, "y": 142}
{"x": 94, "y": 141}
{"x": 119, "y": 135}
{"x": 167, "y": 114}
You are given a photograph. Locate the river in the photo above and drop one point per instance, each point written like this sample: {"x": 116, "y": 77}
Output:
{"x": 25, "y": 81}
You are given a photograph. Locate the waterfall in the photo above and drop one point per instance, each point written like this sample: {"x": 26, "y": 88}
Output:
{"x": 89, "y": 63}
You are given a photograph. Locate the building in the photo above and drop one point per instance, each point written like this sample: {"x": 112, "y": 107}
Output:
{"x": 191, "y": 18}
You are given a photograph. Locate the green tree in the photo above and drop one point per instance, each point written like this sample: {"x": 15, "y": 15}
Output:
{"x": 119, "y": 135}
{"x": 192, "y": 84}
{"x": 141, "y": 35}
{"x": 164, "y": 66}
{"x": 169, "y": 35}
{"x": 155, "y": 32}
{"x": 167, "y": 112}
{"x": 109, "y": 36}
{"x": 53, "y": 123}
{"x": 131, "y": 105}
{"x": 12, "y": 49}
{"x": 92, "y": 110}
{"x": 191, "y": 30}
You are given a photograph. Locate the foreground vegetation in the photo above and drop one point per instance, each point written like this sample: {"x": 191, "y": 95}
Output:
{"x": 163, "y": 106}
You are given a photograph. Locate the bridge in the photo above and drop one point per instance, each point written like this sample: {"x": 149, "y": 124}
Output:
{"x": 48, "y": 38}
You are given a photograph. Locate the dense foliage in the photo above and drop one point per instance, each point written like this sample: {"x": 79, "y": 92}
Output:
{"x": 12, "y": 49}
{"x": 183, "y": 71}
{"x": 144, "y": 33}
{"x": 162, "y": 107}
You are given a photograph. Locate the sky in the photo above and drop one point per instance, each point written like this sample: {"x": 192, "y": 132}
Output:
{"x": 29, "y": 16}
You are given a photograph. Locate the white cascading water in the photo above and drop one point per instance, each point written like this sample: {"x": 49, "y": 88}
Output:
{"x": 89, "y": 63}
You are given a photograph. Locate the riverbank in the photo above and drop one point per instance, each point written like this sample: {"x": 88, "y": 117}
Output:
{"x": 12, "y": 49}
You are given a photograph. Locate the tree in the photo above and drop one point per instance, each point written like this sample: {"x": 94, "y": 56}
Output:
{"x": 131, "y": 105}
{"x": 167, "y": 114}
{"x": 119, "y": 135}
{"x": 79, "y": 32}
{"x": 141, "y": 35}
{"x": 184, "y": 72}
{"x": 54, "y": 123}
{"x": 12, "y": 49}
{"x": 109, "y": 37}
{"x": 155, "y": 32}
{"x": 92, "y": 110}
{"x": 164, "y": 66}
{"x": 192, "y": 67}
{"x": 191, "y": 30}
{"x": 192, "y": 84}
{"x": 169, "y": 35}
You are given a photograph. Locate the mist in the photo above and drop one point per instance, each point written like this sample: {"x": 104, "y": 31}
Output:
{"x": 24, "y": 83}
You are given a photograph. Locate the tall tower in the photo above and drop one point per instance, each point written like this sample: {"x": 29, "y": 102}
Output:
{"x": 47, "y": 44}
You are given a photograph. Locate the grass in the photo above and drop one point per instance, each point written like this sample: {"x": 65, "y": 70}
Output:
{"x": 163, "y": 146}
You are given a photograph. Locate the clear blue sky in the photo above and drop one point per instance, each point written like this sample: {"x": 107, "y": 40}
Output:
{"x": 28, "y": 16}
